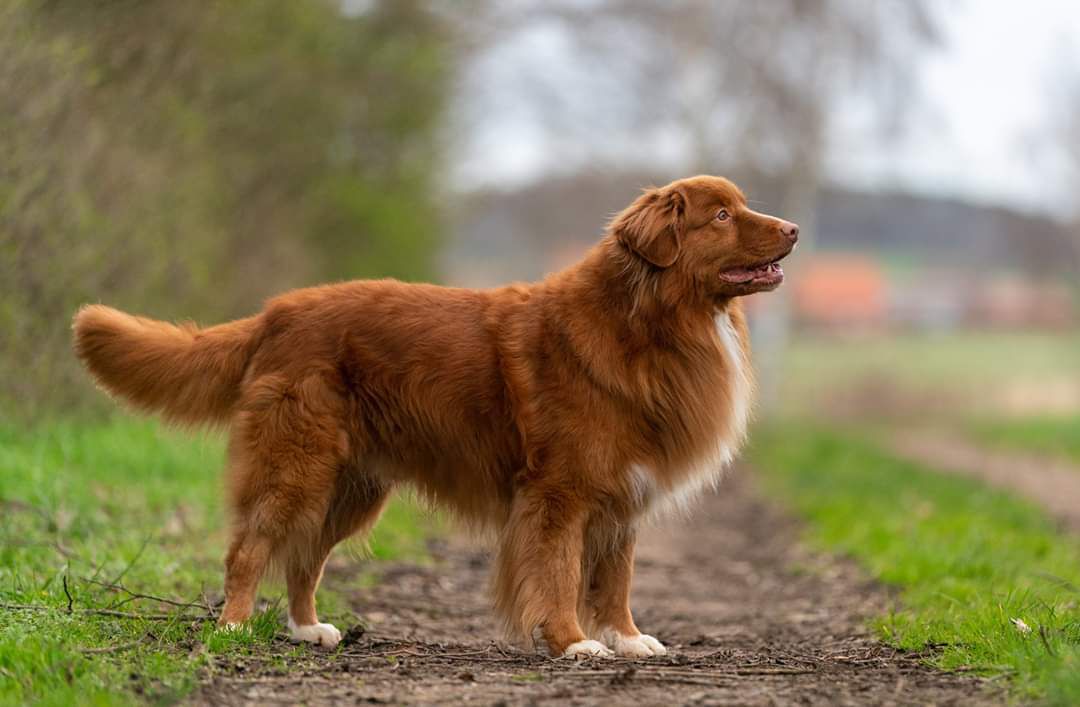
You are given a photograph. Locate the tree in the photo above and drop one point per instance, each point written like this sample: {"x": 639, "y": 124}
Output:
{"x": 749, "y": 89}
{"x": 1069, "y": 145}
{"x": 754, "y": 87}
{"x": 189, "y": 159}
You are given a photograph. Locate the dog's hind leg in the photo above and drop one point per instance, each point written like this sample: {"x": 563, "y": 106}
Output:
{"x": 358, "y": 501}
{"x": 248, "y": 555}
{"x": 286, "y": 451}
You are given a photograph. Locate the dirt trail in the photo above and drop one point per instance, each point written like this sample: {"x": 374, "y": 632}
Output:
{"x": 1053, "y": 484}
{"x": 749, "y": 616}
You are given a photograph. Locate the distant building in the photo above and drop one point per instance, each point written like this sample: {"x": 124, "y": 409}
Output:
{"x": 1011, "y": 302}
{"x": 930, "y": 299}
{"x": 854, "y": 293}
{"x": 840, "y": 292}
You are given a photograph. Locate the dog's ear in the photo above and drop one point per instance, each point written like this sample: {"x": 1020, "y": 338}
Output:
{"x": 653, "y": 226}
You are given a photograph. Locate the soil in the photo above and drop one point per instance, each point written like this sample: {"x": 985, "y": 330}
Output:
{"x": 1053, "y": 484}
{"x": 750, "y": 617}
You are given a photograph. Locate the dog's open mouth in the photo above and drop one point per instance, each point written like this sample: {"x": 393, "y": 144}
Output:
{"x": 767, "y": 275}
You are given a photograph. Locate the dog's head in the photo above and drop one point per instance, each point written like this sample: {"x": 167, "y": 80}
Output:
{"x": 702, "y": 228}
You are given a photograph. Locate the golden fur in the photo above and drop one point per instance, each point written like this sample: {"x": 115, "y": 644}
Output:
{"x": 557, "y": 414}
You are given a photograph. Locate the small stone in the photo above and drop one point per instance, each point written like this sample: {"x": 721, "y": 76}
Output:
{"x": 354, "y": 635}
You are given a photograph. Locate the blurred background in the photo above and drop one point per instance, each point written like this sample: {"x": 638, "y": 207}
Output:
{"x": 187, "y": 160}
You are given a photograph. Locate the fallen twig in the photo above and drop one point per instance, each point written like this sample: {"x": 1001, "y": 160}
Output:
{"x": 482, "y": 656}
{"x": 406, "y": 651}
{"x": 67, "y": 593}
{"x": 662, "y": 673}
{"x": 477, "y": 657}
{"x": 209, "y": 607}
{"x": 132, "y": 596}
{"x": 107, "y": 612}
{"x": 113, "y": 649}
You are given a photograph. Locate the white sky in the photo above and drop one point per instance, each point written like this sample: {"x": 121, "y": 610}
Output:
{"x": 989, "y": 96}
{"x": 978, "y": 131}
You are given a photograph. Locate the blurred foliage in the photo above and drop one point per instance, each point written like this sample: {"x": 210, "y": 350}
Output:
{"x": 1052, "y": 435}
{"x": 190, "y": 159}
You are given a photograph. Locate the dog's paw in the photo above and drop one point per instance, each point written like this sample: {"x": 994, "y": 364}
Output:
{"x": 639, "y": 646}
{"x": 587, "y": 649}
{"x": 325, "y": 635}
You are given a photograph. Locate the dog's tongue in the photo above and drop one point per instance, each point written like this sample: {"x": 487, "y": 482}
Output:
{"x": 740, "y": 276}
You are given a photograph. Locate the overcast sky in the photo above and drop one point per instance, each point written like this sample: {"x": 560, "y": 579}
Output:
{"x": 989, "y": 95}
{"x": 978, "y": 130}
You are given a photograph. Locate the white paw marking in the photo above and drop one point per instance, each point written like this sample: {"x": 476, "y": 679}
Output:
{"x": 325, "y": 635}
{"x": 587, "y": 649}
{"x": 639, "y": 646}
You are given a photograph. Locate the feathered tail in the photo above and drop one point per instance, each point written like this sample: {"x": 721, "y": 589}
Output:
{"x": 187, "y": 374}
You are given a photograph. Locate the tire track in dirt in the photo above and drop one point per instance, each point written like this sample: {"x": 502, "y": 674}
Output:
{"x": 749, "y": 615}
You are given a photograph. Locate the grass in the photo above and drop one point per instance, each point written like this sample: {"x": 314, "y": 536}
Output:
{"x": 971, "y": 369}
{"x": 1057, "y": 436}
{"x": 124, "y": 503}
{"x": 961, "y": 356}
{"x": 967, "y": 560}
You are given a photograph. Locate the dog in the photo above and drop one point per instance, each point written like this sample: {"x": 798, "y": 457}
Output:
{"x": 558, "y": 414}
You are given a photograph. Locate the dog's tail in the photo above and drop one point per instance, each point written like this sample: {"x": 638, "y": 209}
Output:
{"x": 188, "y": 374}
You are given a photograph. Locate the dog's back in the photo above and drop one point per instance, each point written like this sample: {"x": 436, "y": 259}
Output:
{"x": 419, "y": 370}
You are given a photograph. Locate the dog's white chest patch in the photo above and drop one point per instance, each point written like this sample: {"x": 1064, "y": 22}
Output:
{"x": 707, "y": 470}
{"x": 739, "y": 385}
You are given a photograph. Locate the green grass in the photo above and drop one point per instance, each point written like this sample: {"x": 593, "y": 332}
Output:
{"x": 1053, "y": 436}
{"x": 970, "y": 369}
{"x": 967, "y": 560}
{"x": 124, "y": 502}
{"x": 963, "y": 356}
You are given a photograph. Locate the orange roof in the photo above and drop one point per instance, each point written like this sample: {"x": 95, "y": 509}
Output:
{"x": 840, "y": 288}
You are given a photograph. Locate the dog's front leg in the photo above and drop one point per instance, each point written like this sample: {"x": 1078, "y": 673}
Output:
{"x": 538, "y": 577}
{"x": 609, "y": 601}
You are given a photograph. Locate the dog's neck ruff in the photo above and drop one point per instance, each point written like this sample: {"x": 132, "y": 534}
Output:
{"x": 707, "y": 470}
{"x": 741, "y": 387}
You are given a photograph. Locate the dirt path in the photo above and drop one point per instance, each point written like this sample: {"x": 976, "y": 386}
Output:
{"x": 1053, "y": 484}
{"x": 750, "y": 617}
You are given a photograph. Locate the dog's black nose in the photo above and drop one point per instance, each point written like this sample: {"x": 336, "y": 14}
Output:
{"x": 791, "y": 230}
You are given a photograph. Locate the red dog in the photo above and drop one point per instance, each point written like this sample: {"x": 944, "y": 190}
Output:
{"x": 558, "y": 414}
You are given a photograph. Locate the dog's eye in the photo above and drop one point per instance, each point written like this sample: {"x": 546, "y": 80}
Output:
{"x": 723, "y": 215}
